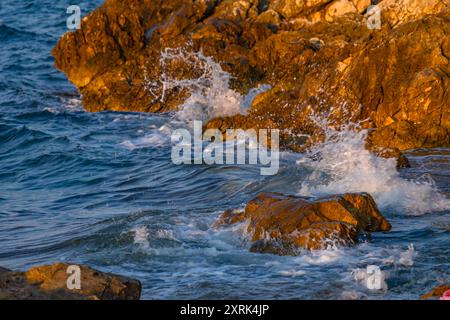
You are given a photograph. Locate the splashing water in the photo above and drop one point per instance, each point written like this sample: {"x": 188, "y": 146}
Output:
{"x": 71, "y": 191}
{"x": 344, "y": 165}
{"x": 210, "y": 95}
{"x": 210, "y": 92}
{"x": 141, "y": 235}
{"x": 407, "y": 257}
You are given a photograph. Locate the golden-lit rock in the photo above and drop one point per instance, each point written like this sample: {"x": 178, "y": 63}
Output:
{"x": 437, "y": 292}
{"x": 49, "y": 282}
{"x": 283, "y": 224}
{"x": 317, "y": 55}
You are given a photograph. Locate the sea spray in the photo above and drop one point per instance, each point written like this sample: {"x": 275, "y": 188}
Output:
{"x": 341, "y": 164}
{"x": 141, "y": 235}
{"x": 210, "y": 95}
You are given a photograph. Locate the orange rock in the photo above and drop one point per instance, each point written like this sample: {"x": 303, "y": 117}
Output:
{"x": 282, "y": 224}
{"x": 50, "y": 282}
{"x": 396, "y": 77}
{"x": 436, "y": 292}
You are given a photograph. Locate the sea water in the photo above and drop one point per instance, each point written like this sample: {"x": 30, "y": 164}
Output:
{"x": 100, "y": 189}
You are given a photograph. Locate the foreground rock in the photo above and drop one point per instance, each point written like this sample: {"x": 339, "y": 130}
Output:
{"x": 436, "y": 293}
{"x": 317, "y": 55}
{"x": 50, "y": 283}
{"x": 283, "y": 224}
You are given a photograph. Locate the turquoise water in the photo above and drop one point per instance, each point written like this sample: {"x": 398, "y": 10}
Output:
{"x": 100, "y": 189}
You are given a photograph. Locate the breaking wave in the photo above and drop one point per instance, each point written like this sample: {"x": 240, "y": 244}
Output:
{"x": 210, "y": 94}
{"x": 341, "y": 164}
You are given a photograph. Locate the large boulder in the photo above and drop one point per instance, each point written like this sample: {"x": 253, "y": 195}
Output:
{"x": 284, "y": 224}
{"x": 317, "y": 55}
{"x": 49, "y": 282}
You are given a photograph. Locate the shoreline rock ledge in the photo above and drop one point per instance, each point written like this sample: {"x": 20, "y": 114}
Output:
{"x": 49, "y": 282}
{"x": 317, "y": 55}
{"x": 282, "y": 225}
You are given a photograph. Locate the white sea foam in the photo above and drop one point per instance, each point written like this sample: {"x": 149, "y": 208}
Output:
{"x": 74, "y": 104}
{"x": 141, "y": 235}
{"x": 292, "y": 273}
{"x": 128, "y": 144}
{"x": 210, "y": 95}
{"x": 67, "y": 105}
{"x": 150, "y": 140}
{"x": 165, "y": 234}
{"x": 320, "y": 257}
{"x": 401, "y": 258}
{"x": 342, "y": 164}
{"x": 407, "y": 257}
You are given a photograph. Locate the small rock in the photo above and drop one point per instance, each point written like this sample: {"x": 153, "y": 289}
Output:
{"x": 50, "y": 282}
{"x": 282, "y": 224}
{"x": 316, "y": 44}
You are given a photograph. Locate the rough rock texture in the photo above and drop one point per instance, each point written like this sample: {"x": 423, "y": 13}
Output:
{"x": 282, "y": 224}
{"x": 318, "y": 55}
{"x": 50, "y": 282}
{"x": 436, "y": 292}
{"x": 401, "y": 11}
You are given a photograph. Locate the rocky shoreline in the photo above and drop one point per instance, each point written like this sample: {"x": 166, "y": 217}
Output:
{"x": 321, "y": 55}
{"x": 325, "y": 58}
{"x": 50, "y": 282}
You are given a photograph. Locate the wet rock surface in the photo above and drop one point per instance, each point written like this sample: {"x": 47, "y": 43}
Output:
{"x": 49, "y": 282}
{"x": 437, "y": 292}
{"x": 283, "y": 224}
{"x": 316, "y": 55}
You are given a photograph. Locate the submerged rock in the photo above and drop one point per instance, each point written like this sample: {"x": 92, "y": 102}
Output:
{"x": 283, "y": 224}
{"x": 50, "y": 282}
{"x": 317, "y": 55}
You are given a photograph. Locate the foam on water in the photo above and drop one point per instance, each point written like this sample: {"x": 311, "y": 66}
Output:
{"x": 68, "y": 104}
{"x": 150, "y": 140}
{"x": 407, "y": 257}
{"x": 141, "y": 235}
{"x": 401, "y": 258}
{"x": 165, "y": 234}
{"x": 74, "y": 193}
{"x": 292, "y": 273}
{"x": 342, "y": 164}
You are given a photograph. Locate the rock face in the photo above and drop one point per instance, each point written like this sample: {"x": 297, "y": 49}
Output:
{"x": 282, "y": 224}
{"x": 50, "y": 282}
{"x": 436, "y": 292}
{"x": 318, "y": 55}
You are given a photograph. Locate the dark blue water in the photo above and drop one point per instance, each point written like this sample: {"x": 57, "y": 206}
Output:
{"x": 100, "y": 189}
